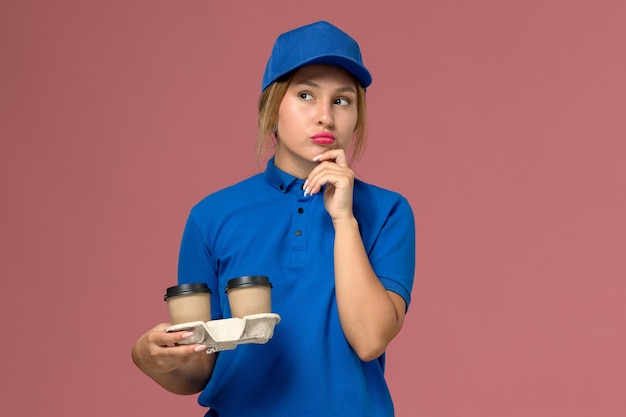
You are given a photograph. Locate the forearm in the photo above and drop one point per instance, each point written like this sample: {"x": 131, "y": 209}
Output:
{"x": 370, "y": 316}
{"x": 190, "y": 378}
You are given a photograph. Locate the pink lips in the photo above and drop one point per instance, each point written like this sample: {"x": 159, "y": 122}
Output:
{"x": 323, "y": 138}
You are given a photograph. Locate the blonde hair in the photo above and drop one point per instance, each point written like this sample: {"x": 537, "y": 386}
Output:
{"x": 269, "y": 104}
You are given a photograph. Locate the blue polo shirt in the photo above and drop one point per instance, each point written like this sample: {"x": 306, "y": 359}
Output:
{"x": 265, "y": 225}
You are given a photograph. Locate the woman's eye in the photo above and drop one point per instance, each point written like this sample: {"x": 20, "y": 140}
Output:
{"x": 306, "y": 96}
{"x": 342, "y": 101}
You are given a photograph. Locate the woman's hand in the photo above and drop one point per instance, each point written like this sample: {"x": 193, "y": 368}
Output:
{"x": 156, "y": 351}
{"x": 182, "y": 369}
{"x": 334, "y": 172}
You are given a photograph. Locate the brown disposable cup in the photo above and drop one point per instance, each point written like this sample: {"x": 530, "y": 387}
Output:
{"x": 249, "y": 295}
{"x": 189, "y": 302}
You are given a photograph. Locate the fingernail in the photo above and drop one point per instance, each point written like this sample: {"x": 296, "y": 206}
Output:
{"x": 199, "y": 348}
{"x": 317, "y": 157}
{"x": 187, "y": 334}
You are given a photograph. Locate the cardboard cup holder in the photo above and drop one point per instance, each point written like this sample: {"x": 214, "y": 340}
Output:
{"x": 227, "y": 334}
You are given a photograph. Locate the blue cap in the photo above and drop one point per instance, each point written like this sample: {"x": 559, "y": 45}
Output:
{"x": 316, "y": 43}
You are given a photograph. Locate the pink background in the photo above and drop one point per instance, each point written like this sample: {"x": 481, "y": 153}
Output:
{"x": 504, "y": 123}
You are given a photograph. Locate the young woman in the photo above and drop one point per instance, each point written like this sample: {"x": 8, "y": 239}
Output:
{"x": 340, "y": 253}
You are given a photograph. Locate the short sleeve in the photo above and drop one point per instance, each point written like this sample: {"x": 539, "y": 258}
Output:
{"x": 392, "y": 255}
{"x": 196, "y": 263}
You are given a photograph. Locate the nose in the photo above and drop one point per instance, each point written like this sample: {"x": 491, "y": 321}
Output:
{"x": 325, "y": 115}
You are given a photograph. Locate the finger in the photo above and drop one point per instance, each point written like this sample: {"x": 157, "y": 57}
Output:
{"x": 168, "y": 358}
{"x": 174, "y": 354}
{"x": 163, "y": 338}
{"x": 328, "y": 173}
{"x": 336, "y": 155}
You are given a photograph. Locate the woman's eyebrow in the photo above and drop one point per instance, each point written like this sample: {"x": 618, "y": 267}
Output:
{"x": 346, "y": 89}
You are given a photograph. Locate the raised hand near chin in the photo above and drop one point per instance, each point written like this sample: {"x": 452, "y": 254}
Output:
{"x": 334, "y": 172}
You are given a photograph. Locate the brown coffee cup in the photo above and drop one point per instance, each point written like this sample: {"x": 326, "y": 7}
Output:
{"x": 249, "y": 295}
{"x": 189, "y": 302}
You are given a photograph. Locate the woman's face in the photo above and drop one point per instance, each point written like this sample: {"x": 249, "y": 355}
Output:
{"x": 317, "y": 113}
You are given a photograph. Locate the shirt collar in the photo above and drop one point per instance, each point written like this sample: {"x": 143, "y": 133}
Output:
{"x": 280, "y": 180}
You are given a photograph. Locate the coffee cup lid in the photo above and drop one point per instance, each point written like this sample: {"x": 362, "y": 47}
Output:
{"x": 248, "y": 281}
{"x": 186, "y": 289}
